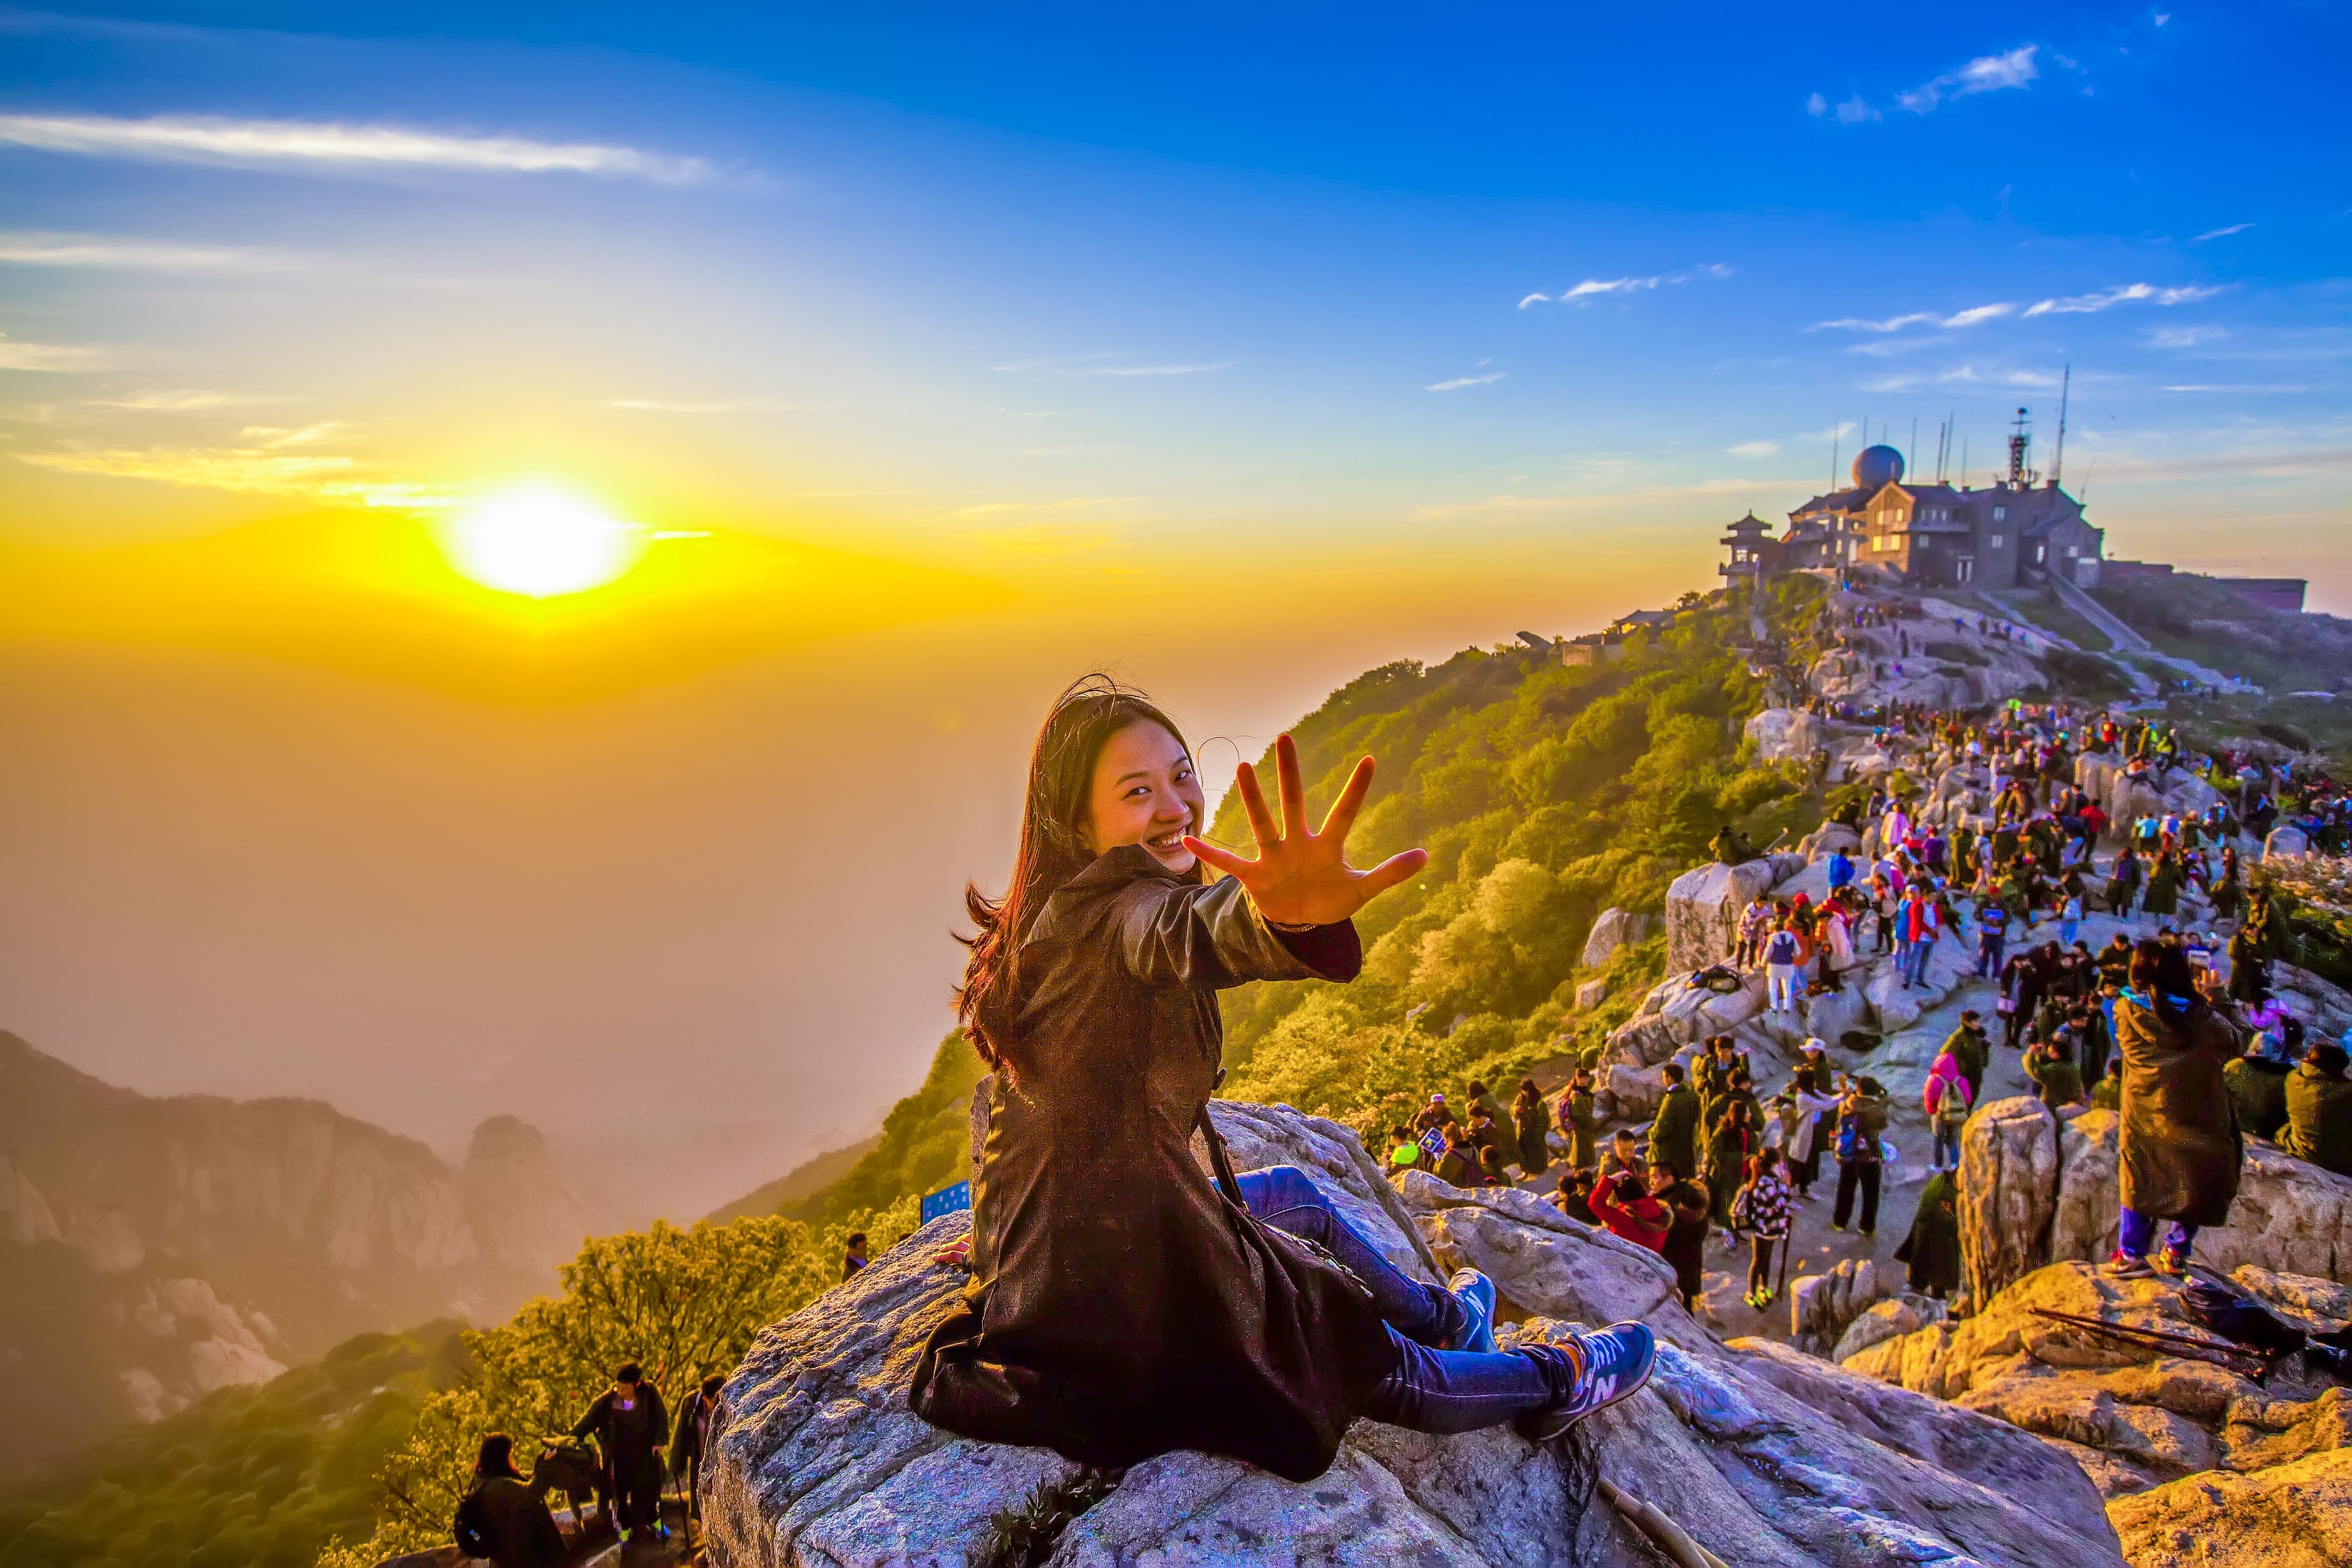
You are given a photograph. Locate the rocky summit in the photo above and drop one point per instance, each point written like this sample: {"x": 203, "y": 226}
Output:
{"x": 1765, "y": 1456}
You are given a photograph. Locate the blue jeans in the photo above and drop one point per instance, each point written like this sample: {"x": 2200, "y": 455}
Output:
{"x": 1989, "y": 951}
{"x": 1947, "y": 1148}
{"x": 1430, "y": 1390}
{"x": 1917, "y": 967}
{"x": 2137, "y": 1233}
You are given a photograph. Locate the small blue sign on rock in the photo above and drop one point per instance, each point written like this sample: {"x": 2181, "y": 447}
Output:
{"x": 946, "y": 1200}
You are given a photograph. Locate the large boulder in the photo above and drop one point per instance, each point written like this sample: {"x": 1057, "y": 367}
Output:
{"x": 2285, "y": 842}
{"x": 1766, "y": 1461}
{"x": 1783, "y": 735}
{"x": 2133, "y": 1416}
{"x": 2009, "y": 1184}
{"x": 1703, "y": 908}
{"x": 2293, "y": 1516}
{"x": 1611, "y": 930}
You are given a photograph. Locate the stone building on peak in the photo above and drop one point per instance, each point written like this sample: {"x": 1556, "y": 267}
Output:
{"x": 2016, "y": 533}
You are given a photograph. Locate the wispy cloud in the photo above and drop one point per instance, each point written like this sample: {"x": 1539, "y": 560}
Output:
{"x": 186, "y": 402}
{"x": 2125, "y": 294}
{"x": 1986, "y": 73}
{"x": 330, "y": 147}
{"x": 1600, "y": 288}
{"x": 1966, "y": 376}
{"x": 252, "y": 468}
{"x": 2211, "y": 386}
{"x": 47, "y": 356}
{"x": 1975, "y": 315}
{"x": 2184, "y": 336}
{"x": 138, "y": 255}
{"x": 1459, "y": 382}
{"x": 2221, "y": 232}
{"x": 1754, "y": 449}
{"x": 1842, "y": 428}
{"x": 1066, "y": 503}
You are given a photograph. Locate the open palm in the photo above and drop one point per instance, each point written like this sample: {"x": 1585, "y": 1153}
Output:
{"x": 1300, "y": 877}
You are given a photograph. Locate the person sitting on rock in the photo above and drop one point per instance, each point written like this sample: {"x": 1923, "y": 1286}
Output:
{"x": 2180, "y": 1150}
{"x": 501, "y": 1519}
{"x": 1461, "y": 1165}
{"x": 2257, "y": 1084}
{"x": 1406, "y": 1152}
{"x": 2107, "y": 1094}
{"x": 1730, "y": 846}
{"x": 1573, "y": 1195}
{"x": 1124, "y": 1302}
{"x": 2319, "y": 1110}
{"x": 1436, "y": 1114}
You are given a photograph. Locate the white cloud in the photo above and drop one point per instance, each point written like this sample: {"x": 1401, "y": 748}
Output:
{"x": 1593, "y": 285}
{"x": 1986, "y": 73}
{"x": 45, "y": 356}
{"x": 1966, "y": 376}
{"x": 1838, "y": 431}
{"x": 1596, "y": 287}
{"x": 1974, "y": 315}
{"x": 2208, "y": 387}
{"x": 326, "y": 147}
{"x": 1854, "y": 111}
{"x": 144, "y": 256}
{"x": 1817, "y": 106}
{"x": 2183, "y": 337}
{"x": 2125, "y": 294}
{"x": 1459, "y": 382}
{"x": 2221, "y": 232}
{"x": 1754, "y": 449}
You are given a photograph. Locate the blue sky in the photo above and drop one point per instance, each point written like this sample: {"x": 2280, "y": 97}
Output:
{"x": 1241, "y": 349}
{"x": 1351, "y": 273}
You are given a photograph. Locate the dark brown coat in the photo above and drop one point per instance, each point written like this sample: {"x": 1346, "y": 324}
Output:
{"x": 1121, "y": 1307}
{"x": 2181, "y": 1150}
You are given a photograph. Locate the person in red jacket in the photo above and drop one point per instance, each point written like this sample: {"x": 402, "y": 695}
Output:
{"x": 1630, "y": 1213}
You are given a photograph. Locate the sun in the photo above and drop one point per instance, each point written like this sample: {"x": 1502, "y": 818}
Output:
{"x": 541, "y": 542}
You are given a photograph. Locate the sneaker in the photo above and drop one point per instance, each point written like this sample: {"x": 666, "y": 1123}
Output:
{"x": 2169, "y": 1262}
{"x": 1477, "y": 1294}
{"x": 1837, "y": 1229}
{"x": 2124, "y": 1266}
{"x": 1866, "y": 1232}
{"x": 1616, "y": 1361}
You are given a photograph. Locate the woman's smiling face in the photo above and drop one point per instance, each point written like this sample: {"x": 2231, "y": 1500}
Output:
{"x": 1146, "y": 792}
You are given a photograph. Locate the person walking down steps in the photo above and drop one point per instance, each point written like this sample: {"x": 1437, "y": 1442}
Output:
{"x": 1125, "y": 1303}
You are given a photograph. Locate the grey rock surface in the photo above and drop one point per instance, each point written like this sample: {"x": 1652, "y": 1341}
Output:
{"x": 1767, "y": 1457}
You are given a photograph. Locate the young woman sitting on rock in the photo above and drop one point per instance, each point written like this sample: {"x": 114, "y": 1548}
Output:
{"x": 1123, "y": 1302}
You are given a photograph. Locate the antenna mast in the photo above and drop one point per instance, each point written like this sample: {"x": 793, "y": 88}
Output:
{"x": 2058, "y": 463}
{"x": 2019, "y": 439}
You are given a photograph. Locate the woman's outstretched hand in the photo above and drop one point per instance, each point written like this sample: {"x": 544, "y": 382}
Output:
{"x": 1303, "y": 877}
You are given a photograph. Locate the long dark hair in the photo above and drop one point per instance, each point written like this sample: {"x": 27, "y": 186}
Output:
{"x": 2161, "y": 972}
{"x": 1054, "y": 848}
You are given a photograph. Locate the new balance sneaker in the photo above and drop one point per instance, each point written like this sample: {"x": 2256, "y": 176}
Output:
{"x": 2124, "y": 1266}
{"x": 1476, "y": 1293}
{"x": 1605, "y": 1366}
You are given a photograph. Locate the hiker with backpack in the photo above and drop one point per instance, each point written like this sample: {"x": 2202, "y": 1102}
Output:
{"x": 501, "y": 1517}
{"x": 1947, "y": 1099}
{"x": 1862, "y": 1118}
{"x": 1124, "y": 1303}
{"x": 630, "y": 1425}
{"x": 689, "y": 1446}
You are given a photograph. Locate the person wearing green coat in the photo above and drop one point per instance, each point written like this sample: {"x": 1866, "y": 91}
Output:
{"x": 2319, "y": 1111}
{"x": 1527, "y": 1120}
{"x": 2257, "y": 1085}
{"x": 1972, "y": 1047}
{"x": 1579, "y": 1121}
{"x": 2164, "y": 881}
{"x": 1674, "y": 1136}
{"x": 2053, "y": 1073}
{"x": 1933, "y": 1247}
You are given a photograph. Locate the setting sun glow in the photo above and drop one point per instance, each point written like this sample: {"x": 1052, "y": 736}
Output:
{"x": 540, "y": 542}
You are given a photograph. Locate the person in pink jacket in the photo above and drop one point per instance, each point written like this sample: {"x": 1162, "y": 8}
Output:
{"x": 1947, "y": 1101}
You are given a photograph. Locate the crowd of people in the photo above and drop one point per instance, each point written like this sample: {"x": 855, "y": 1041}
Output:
{"x": 504, "y": 1516}
{"x": 2011, "y": 884}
